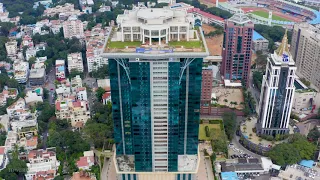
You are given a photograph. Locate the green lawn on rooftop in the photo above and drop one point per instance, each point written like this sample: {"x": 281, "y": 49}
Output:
{"x": 186, "y": 44}
{"x": 122, "y": 45}
{"x": 266, "y": 15}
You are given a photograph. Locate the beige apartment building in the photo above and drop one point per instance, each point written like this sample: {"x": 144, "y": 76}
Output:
{"x": 11, "y": 48}
{"x": 75, "y": 111}
{"x": 305, "y": 50}
{"x": 75, "y": 62}
{"x": 73, "y": 28}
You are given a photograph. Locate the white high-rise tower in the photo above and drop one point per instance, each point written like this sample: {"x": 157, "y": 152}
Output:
{"x": 277, "y": 92}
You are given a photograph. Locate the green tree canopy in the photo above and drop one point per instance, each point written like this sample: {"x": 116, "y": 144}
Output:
{"x": 314, "y": 134}
{"x": 297, "y": 148}
{"x": 99, "y": 93}
{"x": 229, "y": 122}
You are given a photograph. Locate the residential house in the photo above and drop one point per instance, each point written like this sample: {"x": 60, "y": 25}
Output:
{"x": 76, "y": 111}
{"x": 11, "y": 48}
{"x": 82, "y": 175}
{"x": 77, "y": 88}
{"x": 21, "y": 71}
{"x": 8, "y": 93}
{"x": 60, "y": 70}
{"x": 37, "y": 75}
{"x": 43, "y": 164}
{"x": 67, "y": 10}
{"x": 86, "y": 161}
{"x": 95, "y": 40}
{"x": 4, "y": 121}
{"x": 106, "y": 97}
{"x": 34, "y": 96}
{"x": 3, "y": 157}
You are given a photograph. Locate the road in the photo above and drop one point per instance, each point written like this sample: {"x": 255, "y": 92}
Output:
{"x": 235, "y": 142}
{"x": 51, "y": 77}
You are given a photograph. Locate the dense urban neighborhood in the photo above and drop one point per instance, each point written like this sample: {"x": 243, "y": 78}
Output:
{"x": 159, "y": 89}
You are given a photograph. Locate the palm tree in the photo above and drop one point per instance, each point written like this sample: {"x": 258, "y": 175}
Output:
{"x": 230, "y": 103}
{"x": 244, "y": 129}
{"x": 235, "y": 103}
{"x": 225, "y": 100}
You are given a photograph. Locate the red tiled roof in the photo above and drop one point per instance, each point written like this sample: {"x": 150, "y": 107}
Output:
{"x": 58, "y": 106}
{"x": 106, "y": 95}
{"x": 82, "y": 162}
{"x": 76, "y": 104}
{"x": 32, "y": 142}
{"x": 208, "y": 15}
{"x": 79, "y": 124}
{"x": 2, "y": 148}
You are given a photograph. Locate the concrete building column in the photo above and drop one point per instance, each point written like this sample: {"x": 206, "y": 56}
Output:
{"x": 150, "y": 43}
{"x": 131, "y": 34}
{"x": 141, "y": 34}
{"x": 188, "y": 32}
{"x": 159, "y": 37}
{"x": 122, "y": 35}
{"x": 178, "y": 33}
{"x": 167, "y": 36}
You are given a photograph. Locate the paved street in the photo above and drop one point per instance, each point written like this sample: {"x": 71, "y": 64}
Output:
{"x": 235, "y": 142}
{"x": 51, "y": 77}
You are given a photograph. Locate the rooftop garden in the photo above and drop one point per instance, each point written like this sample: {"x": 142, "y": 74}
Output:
{"x": 122, "y": 45}
{"x": 305, "y": 90}
{"x": 186, "y": 44}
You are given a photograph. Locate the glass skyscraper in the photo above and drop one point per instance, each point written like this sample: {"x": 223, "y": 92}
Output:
{"x": 156, "y": 90}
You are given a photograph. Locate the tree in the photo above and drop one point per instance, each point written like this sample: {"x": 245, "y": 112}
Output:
{"x": 257, "y": 78}
{"x": 98, "y": 133}
{"x": 314, "y": 134}
{"x": 32, "y": 60}
{"x": 74, "y": 73}
{"x": 101, "y": 73}
{"x": 229, "y": 121}
{"x": 99, "y": 93}
{"x": 292, "y": 152}
{"x": 244, "y": 129}
{"x": 226, "y": 101}
{"x": 261, "y": 61}
{"x": 284, "y": 154}
{"x": 272, "y": 34}
{"x": 15, "y": 168}
{"x": 161, "y": 5}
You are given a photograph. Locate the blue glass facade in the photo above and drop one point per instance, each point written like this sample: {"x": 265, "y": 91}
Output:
{"x": 131, "y": 98}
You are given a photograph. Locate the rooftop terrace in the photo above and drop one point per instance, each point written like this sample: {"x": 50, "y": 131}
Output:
{"x": 195, "y": 45}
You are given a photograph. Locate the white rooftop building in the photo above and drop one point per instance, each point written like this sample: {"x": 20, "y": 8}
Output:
{"x": 11, "y": 47}
{"x": 21, "y": 71}
{"x": 34, "y": 96}
{"x": 163, "y": 24}
{"x": 75, "y": 62}
{"x": 43, "y": 164}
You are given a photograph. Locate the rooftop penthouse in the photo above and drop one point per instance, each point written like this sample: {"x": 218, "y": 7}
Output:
{"x": 155, "y": 31}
